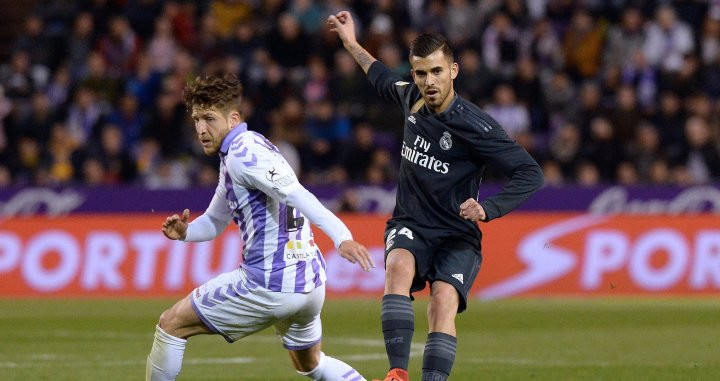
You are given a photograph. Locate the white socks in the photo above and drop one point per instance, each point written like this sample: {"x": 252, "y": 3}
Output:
{"x": 166, "y": 355}
{"x": 165, "y": 359}
{"x": 332, "y": 369}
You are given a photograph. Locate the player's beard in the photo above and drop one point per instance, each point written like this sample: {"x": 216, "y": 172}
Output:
{"x": 436, "y": 100}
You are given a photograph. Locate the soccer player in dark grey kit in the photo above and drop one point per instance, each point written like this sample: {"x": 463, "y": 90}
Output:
{"x": 433, "y": 235}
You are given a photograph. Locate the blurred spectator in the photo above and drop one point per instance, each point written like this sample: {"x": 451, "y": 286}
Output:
{"x": 36, "y": 43}
{"x": 142, "y": 15}
{"x": 358, "y": 152}
{"x": 587, "y": 174}
{"x": 182, "y": 16}
{"x": 58, "y": 91}
{"x": 21, "y": 78}
{"x": 145, "y": 83}
{"x": 501, "y": 45}
{"x": 227, "y": 13}
{"x": 6, "y": 178}
{"x": 83, "y": 116}
{"x": 243, "y": 42}
{"x": 162, "y": 46}
{"x": 38, "y": 122}
{"x": 310, "y": 14}
{"x": 553, "y": 173}
{"x": 603, "y": 149}
{"x": 541, "y": 44}
{"x": 646, "y": 150}
{"x": 460, "y": 17}
{"x": 120, "y": 47}
{"x": 668, "y": 40}
{"x": 513, "y": 116}
{"x": 317, "y": 84}
{"x": 287, "y": 42}
{"x": 583, "y": 44}
{"x": 208, "y": 43}
{"x": 79, "y": 44}
{"x": 128, "y": 118}
{"x": 60, "y": 148}
{"x": 627, "y": 174}
{"x": 565, "y": 148}
{"x": 702, "y": 157}
{"x": 167, "y": 174}
{"x": 638, "y": 74}
{"x": 113, "y": 154}
{"x": 625, "y": 116}
{"x": 669, "y": 121}
{"x": 660, "y": 172}
{"x": 710, "y": 41}
{"x": 625, "y": 40}
{"x": 526, "y": 84}
{"x": 165, "y": 125}
{"x": 474, "y": 81}
{"x": 98, "y": 79}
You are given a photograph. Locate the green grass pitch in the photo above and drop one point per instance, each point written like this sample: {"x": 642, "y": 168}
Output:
{"x": 516, "y": 339}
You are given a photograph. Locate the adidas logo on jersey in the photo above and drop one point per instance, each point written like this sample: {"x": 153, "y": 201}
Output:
{"x": 412, "y": 120}
{"x": 458, "y": 277}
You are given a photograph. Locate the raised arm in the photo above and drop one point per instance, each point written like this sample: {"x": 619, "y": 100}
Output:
{"x": 343, "y": 24}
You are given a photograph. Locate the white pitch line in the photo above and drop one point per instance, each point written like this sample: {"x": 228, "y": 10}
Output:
{"x": 562, "y": 363}
{"x": 374, "y": 356}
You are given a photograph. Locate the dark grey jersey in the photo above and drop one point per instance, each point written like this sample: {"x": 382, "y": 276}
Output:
{"x": 443, "y": 158}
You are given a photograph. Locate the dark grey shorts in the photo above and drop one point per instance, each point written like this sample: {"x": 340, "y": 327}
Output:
{"x": 438, "y": 256}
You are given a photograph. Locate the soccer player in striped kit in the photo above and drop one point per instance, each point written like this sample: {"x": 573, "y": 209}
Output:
{"x": 281, "y": 280}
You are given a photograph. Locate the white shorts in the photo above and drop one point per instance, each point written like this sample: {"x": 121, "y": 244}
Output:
{"x": 234, "y": 308}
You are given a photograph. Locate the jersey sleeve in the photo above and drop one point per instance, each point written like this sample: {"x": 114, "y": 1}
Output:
{"x": 492, "y": 145}
{"x": 211, "y": 223}
{"x": 255, "y": 163}
{"x": 389, "y": 85}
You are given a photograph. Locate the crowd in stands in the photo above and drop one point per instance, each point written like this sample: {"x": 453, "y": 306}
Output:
{"x": 597, "y": 91}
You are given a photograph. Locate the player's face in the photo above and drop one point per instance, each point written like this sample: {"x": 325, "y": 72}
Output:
{"x": 212, "y": 126}
{"x": 434, "y": 77}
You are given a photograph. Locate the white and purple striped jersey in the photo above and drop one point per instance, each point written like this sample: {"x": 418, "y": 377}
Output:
{"x": 255, "y": 180}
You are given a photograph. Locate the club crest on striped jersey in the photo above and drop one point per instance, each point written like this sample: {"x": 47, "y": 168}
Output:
{"x": 446, "y": 141}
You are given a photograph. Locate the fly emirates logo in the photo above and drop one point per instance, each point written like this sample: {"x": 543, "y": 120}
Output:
{"x": 417, "y": 154}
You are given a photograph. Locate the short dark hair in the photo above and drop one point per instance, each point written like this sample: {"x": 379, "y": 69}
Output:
{"x": 221, "y": 92}
{"x": 425, "y": 44}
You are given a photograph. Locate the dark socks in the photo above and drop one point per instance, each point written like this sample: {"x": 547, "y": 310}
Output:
{"x": 439, "y": 356}
{"x": 398, "y": 325}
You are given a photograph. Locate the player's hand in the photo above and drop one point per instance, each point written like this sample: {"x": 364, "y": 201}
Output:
{"x": 175, "y": 227}
{"x": 472, "y": 210}
{"x": 343, "y": 24}
{"x": 356, "y": 253}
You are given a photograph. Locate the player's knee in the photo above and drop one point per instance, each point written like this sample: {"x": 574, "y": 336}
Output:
{"x": 400, "y": 266}
{"x": 443, "y": 302}
{"x": 168, "y": 320}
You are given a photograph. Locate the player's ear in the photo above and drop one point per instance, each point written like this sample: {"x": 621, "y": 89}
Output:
{"x": 454, "y": 70}
{"x": 234, "y": 118}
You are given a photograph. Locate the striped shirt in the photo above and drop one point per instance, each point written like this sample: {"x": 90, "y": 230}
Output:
{"x": 279, "y": 252}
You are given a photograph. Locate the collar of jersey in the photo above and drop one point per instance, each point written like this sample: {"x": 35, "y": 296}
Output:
{"x": 237, "y": 130}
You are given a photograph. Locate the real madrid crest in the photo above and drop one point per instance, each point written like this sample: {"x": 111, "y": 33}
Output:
{"x": 446, "y": 141}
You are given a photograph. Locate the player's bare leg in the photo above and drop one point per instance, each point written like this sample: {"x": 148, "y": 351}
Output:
{"x": 175, "y": 326}
{"x": 441, "y": 343}
{"x": 397, "y": 316}
{"x": 313, "y": 363}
